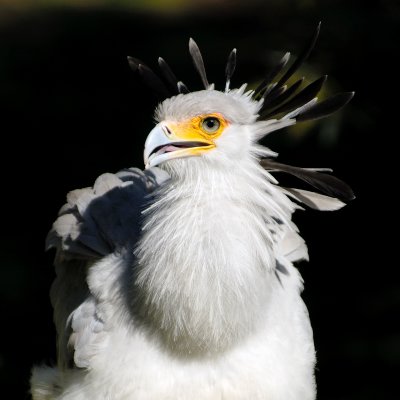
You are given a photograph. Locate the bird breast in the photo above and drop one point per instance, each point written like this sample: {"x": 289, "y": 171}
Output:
{"x": 204, "y": 260}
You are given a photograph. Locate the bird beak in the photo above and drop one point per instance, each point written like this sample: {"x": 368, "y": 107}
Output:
{"x": 169, "y": 140}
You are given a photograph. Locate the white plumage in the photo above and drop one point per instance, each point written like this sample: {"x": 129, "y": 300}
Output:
{"x": 178, "y": 282}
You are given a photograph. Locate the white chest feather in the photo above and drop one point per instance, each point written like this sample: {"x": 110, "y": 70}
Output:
{"x": 207, "y": 255}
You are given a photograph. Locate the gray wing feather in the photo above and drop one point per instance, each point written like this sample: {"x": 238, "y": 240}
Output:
{"x": 93, "y": 223}
{"x": 96, "y": 221}
{"x": 67, "y": 293}
{"x": 88, "y": 332}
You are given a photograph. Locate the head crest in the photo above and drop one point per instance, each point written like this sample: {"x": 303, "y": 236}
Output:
{"x": 276, "y": 96}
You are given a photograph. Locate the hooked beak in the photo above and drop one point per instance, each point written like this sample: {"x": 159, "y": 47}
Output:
{"x": 169, "y": 141}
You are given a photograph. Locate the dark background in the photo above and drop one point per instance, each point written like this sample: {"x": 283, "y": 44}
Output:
{"x": 72, "y": 109}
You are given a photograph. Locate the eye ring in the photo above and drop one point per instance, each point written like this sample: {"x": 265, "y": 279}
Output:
{"x": 210, "y": 124}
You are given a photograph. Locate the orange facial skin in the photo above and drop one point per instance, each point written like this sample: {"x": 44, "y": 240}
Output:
{"x": 192, "y": 130}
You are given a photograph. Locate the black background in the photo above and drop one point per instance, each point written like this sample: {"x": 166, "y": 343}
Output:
{"x": 72, "y": 109}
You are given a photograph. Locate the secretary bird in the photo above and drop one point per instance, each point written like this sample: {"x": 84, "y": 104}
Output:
{"x": 177, "y": 282}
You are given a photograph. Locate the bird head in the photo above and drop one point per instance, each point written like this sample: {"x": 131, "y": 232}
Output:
{"x": 219, "y": 126}
{"x": 210, "y": 124}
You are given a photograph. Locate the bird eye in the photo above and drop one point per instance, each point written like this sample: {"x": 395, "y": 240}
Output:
{"x": 210, "y": 124}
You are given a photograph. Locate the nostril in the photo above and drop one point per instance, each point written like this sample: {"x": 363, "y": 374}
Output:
{"x": 166, "y": 130}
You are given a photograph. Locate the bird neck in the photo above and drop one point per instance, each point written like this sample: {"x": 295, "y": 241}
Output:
{"x": 206, "y": 257}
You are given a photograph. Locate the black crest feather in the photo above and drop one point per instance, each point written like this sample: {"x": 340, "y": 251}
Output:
{"x": 303, "y": 97}
{"x": 326, "y": 107}
{"x": 260, "y": 89}
{"x": 153, "y": 81}
{"x": 134, "y": 63}
{"x": 276, "y": 96}
{"x": 304, "y": 54}
{"x": 149, "y": 77}
{"x": 198, "y": 62}
{"x": 275, "y": 100}
{"x": 168, "y": 75}
{"x": 230, "y": 67}
{"x": 275, "y": 93}
{"x": 327, "y": 184}
{"x": 182, "y": 88}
